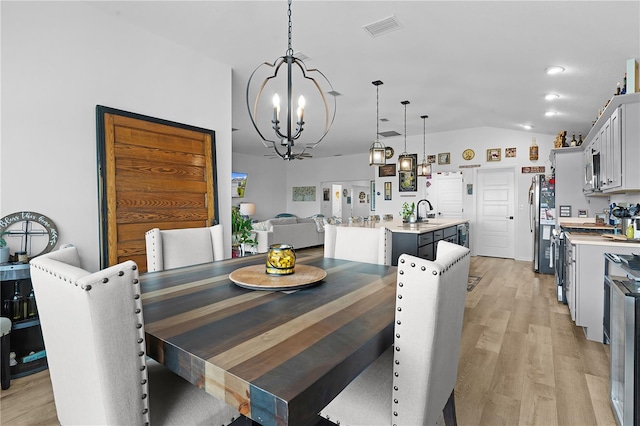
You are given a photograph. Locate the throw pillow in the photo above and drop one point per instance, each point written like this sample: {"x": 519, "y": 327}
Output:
{"x": 319, "y": 223}
{"x": 260, "y": 226}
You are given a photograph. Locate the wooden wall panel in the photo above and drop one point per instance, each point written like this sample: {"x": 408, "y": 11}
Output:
{"x": 153, "y": 173}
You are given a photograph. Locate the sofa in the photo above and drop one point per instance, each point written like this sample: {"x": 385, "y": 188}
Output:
{"x": 296, "y": 231}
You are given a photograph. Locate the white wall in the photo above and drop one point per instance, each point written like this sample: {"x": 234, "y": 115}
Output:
{"x": 61, "y": 59}
{"x": 266, "y": 183}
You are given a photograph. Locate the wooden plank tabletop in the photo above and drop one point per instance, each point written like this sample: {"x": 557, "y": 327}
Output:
{"x": 279, "y": 357}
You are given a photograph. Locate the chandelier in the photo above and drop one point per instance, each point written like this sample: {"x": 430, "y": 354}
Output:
{"x": 405, "y": 160}
{"x": 285, "y": 130}
{"x": 424, "y": 168}
{"x": 377, "y": 153}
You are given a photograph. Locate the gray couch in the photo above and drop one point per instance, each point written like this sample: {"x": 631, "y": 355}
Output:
{"x": 296, "y": 231}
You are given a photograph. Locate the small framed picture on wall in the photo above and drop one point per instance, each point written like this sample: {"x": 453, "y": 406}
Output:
{"x": 494, "y": 154}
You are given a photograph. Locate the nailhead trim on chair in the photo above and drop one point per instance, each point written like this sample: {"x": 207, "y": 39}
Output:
{"x": 154, "y": 257}
{"x": 141, "y": 345}
{"x": 399, "y": 309}
{"x": 139, "y": 327}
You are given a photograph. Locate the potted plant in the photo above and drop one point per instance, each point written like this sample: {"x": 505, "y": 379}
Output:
{"x": 4, "y": 248}
{"x": 241, "y": 230}
{"x": 407, "y": 212}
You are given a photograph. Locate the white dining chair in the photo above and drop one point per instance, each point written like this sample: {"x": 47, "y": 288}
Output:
{"x": 361, "y": 244}
{"x": 174, "y": 248}
{"x": 412, "y": 383}
{"x": 94, "y": 335}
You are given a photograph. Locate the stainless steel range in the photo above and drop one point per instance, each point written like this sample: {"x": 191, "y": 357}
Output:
{"x": 622, "y": 327}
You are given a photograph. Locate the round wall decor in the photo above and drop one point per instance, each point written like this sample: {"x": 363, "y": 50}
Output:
{"x": 28, "y": 225}
{"x": 468, "y": 154}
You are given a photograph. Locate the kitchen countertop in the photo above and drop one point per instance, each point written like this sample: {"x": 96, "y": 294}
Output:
{"x": 587, "y": 225}
{"x": 397, "y": 225}
{"x": 598, "y": 239}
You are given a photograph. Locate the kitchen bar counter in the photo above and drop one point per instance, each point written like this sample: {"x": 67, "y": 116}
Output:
{"x": 421, "y": 239}
{"x": 397, "y": 226}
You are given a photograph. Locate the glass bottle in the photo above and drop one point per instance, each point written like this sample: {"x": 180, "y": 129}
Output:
{"x": 17, "y": 303}
{"x": 580, "y": 139}
{"x": 32, "y": 309}
{"x": 574, "y": 142}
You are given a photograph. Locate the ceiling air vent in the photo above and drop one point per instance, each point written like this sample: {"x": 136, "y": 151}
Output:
{"x": 389, "y": 133}
{"x": 382, "y": 26}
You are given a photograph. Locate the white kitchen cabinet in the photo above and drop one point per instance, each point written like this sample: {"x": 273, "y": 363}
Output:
{"x": 616, "y": 136}
{"x": 585, "y": 296}
{"x": 570, "y": 278}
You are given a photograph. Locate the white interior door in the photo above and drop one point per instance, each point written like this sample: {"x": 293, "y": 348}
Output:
{"x": 359, "y": 205}
{"x": 336, "y": 200}
{"x": 495, "y": 227}
{"x": 448, "y": 203}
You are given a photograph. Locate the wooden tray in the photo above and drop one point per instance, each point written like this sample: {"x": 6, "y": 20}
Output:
{"x": 255, "y": 278}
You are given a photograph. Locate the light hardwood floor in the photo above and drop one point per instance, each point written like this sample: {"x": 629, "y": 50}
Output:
{"x": 522, "y": 361}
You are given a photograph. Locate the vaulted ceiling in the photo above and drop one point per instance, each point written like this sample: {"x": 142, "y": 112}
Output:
{"x": 464, "y": 63}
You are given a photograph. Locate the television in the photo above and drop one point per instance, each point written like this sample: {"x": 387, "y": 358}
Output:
{"x": 238, "y": 184}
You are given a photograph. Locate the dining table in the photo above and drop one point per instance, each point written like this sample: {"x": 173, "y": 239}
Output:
{"x": 279, "y": 356}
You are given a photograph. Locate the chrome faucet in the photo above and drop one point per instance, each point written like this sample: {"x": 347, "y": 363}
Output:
{"x": 418, "y": 208}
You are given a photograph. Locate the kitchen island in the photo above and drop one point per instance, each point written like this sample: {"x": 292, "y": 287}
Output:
{"x": 421, "y": 238}
{"x": 584, "y": 263}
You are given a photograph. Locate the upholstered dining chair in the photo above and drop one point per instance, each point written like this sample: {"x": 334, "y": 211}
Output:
{"x": 361, "y": 244}
{"x": 174, "y": 248}
{"x": 94, "y": 335}
{"x": 412, "y": 383}
{"x": 5, "y": 348}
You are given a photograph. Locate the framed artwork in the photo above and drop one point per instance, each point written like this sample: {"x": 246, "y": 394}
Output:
{"x": 431, "y": 159}
{"x": 408, "y": 180}
{"x": 387, "y": 191}
{"x": 494, "y": 154}
{"x": 304, "y": 193}
{"x": 444, "y": 158}
{"x": 326, "y": 194}
{"x": 510, "y": 152}
{"x": 387, "y": 170}
{"x": 373, "y": 196}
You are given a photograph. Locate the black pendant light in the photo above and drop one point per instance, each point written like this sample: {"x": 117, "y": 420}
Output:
{"x": 377, "y": 152}
{"x": 405, "y": 160}
{"x": 424, "y": 168}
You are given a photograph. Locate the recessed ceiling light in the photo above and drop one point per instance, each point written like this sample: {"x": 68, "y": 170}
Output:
{"x": 550, "y": 113}
{"x": 551, "y": 96}
{"x": 555, "y": 69}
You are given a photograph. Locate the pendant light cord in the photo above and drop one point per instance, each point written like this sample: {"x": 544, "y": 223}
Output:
{"x": 290, "y": 49}
{"x": 377, "y": 112}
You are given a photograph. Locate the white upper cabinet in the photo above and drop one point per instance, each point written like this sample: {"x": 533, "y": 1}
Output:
{"x": 611, "y": 157}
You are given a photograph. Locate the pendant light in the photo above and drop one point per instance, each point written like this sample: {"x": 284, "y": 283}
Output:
{"x": 377, "y": 152}
{"x": 318, "y": 88}
{"x": 424, "y": 168}
{"x": 405, "y": 160}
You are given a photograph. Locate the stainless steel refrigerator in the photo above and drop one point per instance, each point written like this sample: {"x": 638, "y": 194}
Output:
{"x": 542, "y": 219}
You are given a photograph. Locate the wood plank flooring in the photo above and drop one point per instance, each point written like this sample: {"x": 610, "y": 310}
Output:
{"x": 522, "y": 360}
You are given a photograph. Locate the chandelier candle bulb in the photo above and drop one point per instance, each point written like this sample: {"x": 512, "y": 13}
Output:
{"x": 276, "y": 108}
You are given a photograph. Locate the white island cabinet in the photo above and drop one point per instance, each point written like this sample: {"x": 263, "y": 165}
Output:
{"x": 586, "y": 295}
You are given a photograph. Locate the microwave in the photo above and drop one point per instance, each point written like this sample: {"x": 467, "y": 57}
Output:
{"x": 592, "y": 171}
